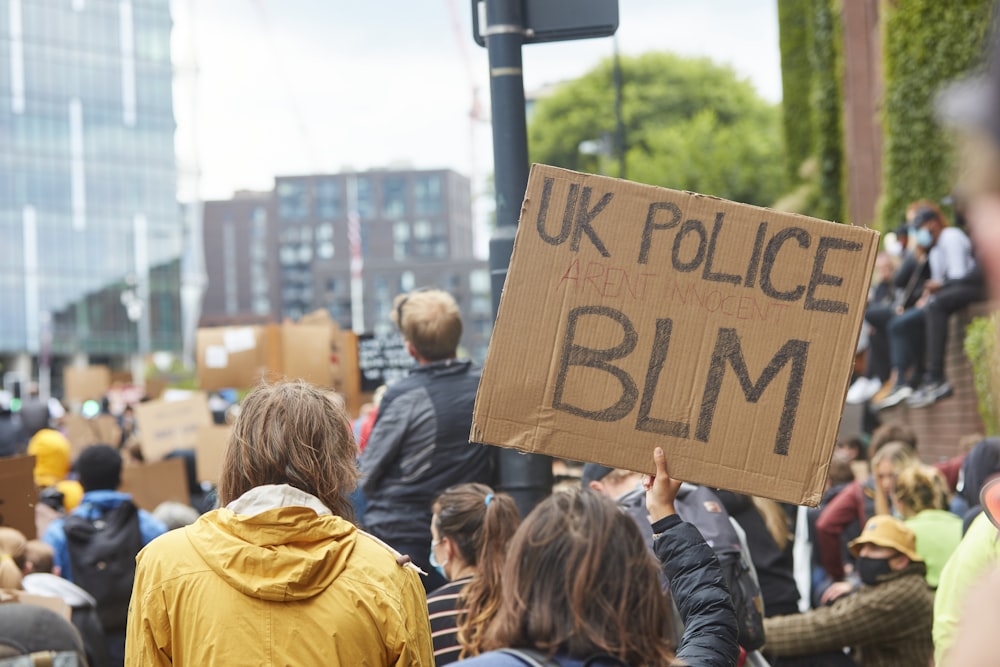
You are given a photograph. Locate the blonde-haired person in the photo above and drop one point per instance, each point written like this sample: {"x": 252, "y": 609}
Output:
{"x": 472, "y": 527}
{"x": 922, "y": 499}
{"x": 279, "y": 572}
{"x": 13, "y": 556}
{"x": 858, "y": 502}
{"x": 419, "y": 445}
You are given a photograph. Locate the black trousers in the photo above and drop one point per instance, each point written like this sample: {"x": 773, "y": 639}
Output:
{"x": 878, "y": 364}
{"x": 945, "y": 301}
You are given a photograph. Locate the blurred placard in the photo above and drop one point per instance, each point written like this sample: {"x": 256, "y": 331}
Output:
{"x": 153, "y": 483}
{"x": 85, "y": 383}
{"x": 18, "y": 494}
{"x": 166, "y": 426}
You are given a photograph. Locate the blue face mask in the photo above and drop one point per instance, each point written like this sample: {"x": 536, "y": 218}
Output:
{"x": 924, "y": 238}
{"x": 435, "y": 564}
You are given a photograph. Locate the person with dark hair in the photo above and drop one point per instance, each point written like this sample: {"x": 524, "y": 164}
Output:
{"x": 34, "y": 632}
{"x": 40, "y": 580}
{"x": 922, "y": 332}
{"x": 581, "y": 587}
{"x": 980, "y": 465}
{"x": 471, "y": 527}
{"x": 279, "y": 573}
{"x": 99, "y": 468}
{"x": 419, "y": 445}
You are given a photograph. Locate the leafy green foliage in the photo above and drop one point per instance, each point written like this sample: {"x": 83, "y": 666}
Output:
{"x": 690, "y": 124}
{"x": 795, "y": 30}
{"x": 981, "y": 349}
{"x": 825, "y": 101}
{"x": 926, "y": 43}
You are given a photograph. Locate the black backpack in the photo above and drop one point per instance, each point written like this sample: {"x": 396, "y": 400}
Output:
{"x": 102, "y": 556}
{"x": 700, "y": 506}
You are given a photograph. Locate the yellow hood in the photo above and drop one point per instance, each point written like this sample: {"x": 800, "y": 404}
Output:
{"x": 52, "y": 456}
{"x": 286, "y": 553}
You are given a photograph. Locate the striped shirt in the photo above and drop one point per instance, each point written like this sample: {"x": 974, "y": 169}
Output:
{"x": 442, "y": 606}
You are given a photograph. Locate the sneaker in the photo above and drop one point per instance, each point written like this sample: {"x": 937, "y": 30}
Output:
{"x": 862, "y": 390}
{"x": 899, "y": 394}
{"x": 929, "y": 393}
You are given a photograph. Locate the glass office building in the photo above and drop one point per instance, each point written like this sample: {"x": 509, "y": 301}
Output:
{"x": 90, "y": 228}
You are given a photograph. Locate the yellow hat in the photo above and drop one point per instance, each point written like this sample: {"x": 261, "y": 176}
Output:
{"x": 887, "y": 531}
{"x": 52, "y": 456}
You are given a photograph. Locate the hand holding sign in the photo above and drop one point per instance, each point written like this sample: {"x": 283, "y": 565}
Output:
{"x": 661, "y": 489}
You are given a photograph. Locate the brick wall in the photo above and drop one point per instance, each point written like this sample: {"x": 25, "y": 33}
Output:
{"x": 939, "y": 427}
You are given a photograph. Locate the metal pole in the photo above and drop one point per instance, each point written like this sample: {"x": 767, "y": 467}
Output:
{"x": 526, "y": 477}
{"x": 619, "y": 120}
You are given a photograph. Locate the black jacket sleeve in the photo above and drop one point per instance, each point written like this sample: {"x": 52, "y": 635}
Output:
{"x": 696, "y": 583}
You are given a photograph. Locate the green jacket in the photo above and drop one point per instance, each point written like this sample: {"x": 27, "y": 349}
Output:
{"x": 938, "y": 534}
{"x": 978, "y": 550}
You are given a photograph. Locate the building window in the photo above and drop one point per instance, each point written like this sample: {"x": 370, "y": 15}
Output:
{"x": 406, "y": 281}
{"x": 479, "y": 281}
{"x": 366, "y": 198}
{"x": 428, "y": 194}
{"x": 324, "y": 241}
{"x": 329, "y": 201}
{"x": 293, "y": 200}
{"x": 394, "y": 197}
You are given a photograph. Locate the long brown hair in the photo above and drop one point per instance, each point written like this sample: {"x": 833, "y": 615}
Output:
{"x": 481, "y": 523}
{"x": 292, "y": 433}
{"x": 13, "y": 555}
{"x": 580, "y": 579}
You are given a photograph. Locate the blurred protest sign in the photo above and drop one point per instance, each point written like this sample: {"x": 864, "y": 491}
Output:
{"x": 82, "y": 432}
{"x": 153, "y": 483}
{"x": 166, "y": 426}
{"x": 210, "y": 451}
{"x": 18, "y": 494}
{"x": 241, "y": 357}
{"x": 86, "y": 383}
{"x": 634, "y": 316}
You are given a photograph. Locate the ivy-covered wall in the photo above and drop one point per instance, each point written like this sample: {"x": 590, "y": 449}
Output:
{"x": 795, "y": 31}
{"x": 827, "y": 110}
{"x": 925, "y": 43}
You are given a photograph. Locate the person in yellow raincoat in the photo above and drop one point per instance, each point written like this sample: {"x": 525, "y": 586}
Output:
{"x": 279, "y": 575}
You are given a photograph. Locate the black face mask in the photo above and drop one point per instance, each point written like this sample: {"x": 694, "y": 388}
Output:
{"x": 869, "y": 569}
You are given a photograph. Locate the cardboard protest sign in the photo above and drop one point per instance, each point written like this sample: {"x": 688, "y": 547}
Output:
{"x": 305, "y": 353}
{"x": 235, "y": 357}
{"x": 634, "y": 317}
{"x": 18, "y": 494}
{"x": 230, "y": 357}
{"x": 210, "y": 451}
{"x": 82, "y": 432}
{"x": 86, "y": 383}
{"x": 165, "y": 426}
{"x": 153, "y": 483}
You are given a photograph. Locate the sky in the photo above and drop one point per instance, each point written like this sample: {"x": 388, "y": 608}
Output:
{"x": 282, "y": 87}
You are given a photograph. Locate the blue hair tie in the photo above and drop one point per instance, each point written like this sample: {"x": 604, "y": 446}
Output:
{"x": 487, "y": 499}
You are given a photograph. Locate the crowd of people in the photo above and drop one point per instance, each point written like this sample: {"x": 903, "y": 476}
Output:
{"x": 386, "y": 540}
{"x": 317, "y": 551}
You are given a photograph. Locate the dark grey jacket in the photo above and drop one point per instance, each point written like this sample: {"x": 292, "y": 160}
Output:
{"x": 420, "y": 446}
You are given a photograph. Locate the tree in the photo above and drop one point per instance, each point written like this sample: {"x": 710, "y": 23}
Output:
{"x": 690, "y": 124}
